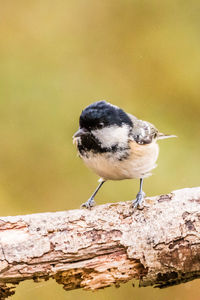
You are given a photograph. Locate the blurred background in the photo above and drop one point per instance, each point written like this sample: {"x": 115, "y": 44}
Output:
{"x": 57, "y": 57}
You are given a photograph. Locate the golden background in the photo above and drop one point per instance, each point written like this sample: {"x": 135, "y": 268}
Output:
{"x": 56, "y": 57}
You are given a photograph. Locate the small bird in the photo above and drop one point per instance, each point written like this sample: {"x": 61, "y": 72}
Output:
{"x": 116, "y": 145}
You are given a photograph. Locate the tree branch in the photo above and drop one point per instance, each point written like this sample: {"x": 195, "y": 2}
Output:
{"x": 158, "y": 245}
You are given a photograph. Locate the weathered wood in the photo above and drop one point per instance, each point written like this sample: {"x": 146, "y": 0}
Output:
{"x": 158, "y": 245}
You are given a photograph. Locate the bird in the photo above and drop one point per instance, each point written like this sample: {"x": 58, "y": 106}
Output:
{"x": 116, "y": 145}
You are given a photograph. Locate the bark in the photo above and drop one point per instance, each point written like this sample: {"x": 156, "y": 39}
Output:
{"x": 158, "y": 244}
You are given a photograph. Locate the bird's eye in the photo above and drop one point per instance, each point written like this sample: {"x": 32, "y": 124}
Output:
{"x": 101, "y": 125}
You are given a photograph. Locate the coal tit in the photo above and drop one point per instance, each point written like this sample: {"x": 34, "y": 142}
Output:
{"x": 116, "y": 145}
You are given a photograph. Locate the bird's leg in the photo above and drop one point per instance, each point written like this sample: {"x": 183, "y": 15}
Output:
{"x": 140, "y": 196}
{"x": 90, "y": 203}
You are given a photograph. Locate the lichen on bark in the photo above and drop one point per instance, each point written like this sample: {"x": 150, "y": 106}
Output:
{"x": 158, "y": 244}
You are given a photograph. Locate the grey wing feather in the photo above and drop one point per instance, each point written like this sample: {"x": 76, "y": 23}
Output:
{"x": 143, "y": 132}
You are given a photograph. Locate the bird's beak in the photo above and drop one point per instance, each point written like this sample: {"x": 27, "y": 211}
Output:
{"x": 80, "y": 132}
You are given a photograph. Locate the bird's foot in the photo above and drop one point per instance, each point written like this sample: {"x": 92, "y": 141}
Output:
{"x": 89, "y": 204}
{"x": 139, "y": 199}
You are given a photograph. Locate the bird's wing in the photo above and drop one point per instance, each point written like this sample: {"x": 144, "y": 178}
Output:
{"x": 144, "y": 132}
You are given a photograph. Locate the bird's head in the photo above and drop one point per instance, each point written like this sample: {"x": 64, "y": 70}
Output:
{"x": 106, "y": 123}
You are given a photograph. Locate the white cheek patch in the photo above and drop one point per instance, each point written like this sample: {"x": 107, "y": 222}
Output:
{"x": 112, "y": 135}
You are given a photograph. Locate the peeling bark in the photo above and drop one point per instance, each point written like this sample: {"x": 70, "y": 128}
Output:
{"x": 158, "y": 244}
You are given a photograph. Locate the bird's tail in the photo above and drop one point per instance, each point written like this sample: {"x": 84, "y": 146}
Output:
{"x": 162, "y": 136}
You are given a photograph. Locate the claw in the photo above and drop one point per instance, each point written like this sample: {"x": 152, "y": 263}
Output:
{"x": 139, "y": 199}
{"x": 88, "y": 204}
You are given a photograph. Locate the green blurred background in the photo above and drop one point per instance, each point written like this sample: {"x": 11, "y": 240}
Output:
{"x": 56, "y": 57}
